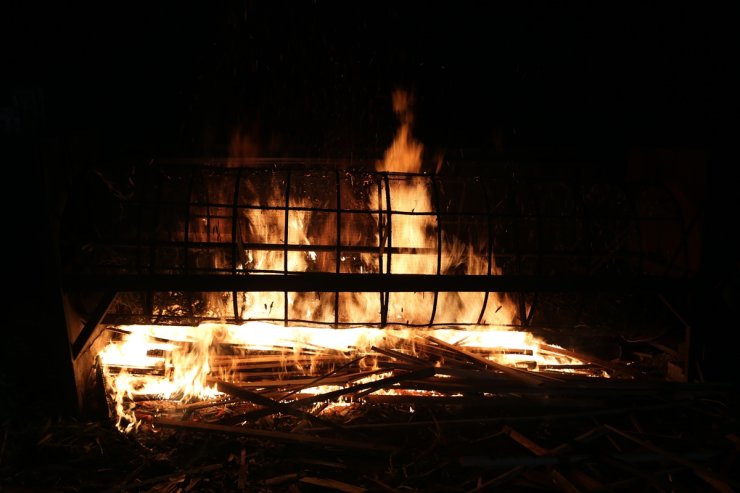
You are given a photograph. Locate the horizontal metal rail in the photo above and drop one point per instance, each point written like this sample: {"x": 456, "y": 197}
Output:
{"x": 320, "y": 282}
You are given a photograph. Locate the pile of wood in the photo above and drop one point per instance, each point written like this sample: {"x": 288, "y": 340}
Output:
{"x": 443, "y": 418}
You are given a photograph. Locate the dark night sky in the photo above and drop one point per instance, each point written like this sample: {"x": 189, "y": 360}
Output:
{"x": 314, "y": 78}
{"x": 140, "y": 80}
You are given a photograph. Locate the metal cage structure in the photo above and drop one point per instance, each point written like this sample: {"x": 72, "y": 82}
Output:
{"x": 298, "y": 245}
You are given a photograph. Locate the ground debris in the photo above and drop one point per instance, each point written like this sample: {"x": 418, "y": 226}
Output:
{"x": 385, "y": 447}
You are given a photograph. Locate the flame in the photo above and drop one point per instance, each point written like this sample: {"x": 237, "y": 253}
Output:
{"x": 181, "y": 372}
{"x": 176, "y": 362}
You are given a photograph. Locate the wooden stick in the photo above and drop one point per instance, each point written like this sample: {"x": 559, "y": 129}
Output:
{"x": 519, "y": 375}
{"x": 593, "y": 360}
{"x": 284, "y": 478}
{"x": 525, "y": 441}
{"x": 402, "y": 356}
{"x": 278, "y": 360}
{"x": 299, "y": 382}
{"x": 378, "y": 384}
{"x": 273, "y": 435}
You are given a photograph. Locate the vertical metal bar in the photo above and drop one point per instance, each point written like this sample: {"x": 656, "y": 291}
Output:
{"x": 525, "y": 317}
{"x": 381, "y": 249}
{"x": 139, "y": 232}
{"x": 285, "y": 244}
{"x": 188, "y": 294}
{"x": 390, "y": 221}
{"x": 489, "y": 244}
{"x": 234, "y": 234}
{"x": 339, "y": 242}
{"x": 149, "y": 297}
{"x": 140, "y": 235}
{"x": 381, "y": 228}
{"x": 389, "y": 233}
{"x": 208, "y": 218}
{"x": 518, "y": 247}
{"x": 435, "y": 196}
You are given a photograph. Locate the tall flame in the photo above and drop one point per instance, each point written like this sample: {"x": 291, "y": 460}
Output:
{"x": 406, "y": 223}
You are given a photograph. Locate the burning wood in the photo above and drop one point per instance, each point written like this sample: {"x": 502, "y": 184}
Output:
{"x": 283, "y": 378}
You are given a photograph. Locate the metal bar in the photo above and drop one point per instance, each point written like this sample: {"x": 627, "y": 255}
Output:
{"x": 186, "y": 256}
{"x": 325, "y": 282}
{"x": 337, "y": 261}
{"x": 381, "y": 227}
{"x": 131, "y": 319}
{"x": 435, "y": 195}
{"x": 389, "y": 226}
{"x": 235, "y": 236}
{"x": 356, "y": 248}
{"x": 285, "y": 251}
{"x": 385, "y": 295}
{"x": 304, "y": 208}
{"x": 489, "y": 243}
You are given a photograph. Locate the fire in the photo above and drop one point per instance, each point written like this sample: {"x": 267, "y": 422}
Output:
{"x": 185, "y": 363}
{"x": 182, "y": 362}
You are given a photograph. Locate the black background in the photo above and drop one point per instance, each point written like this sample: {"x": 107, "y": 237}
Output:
{"x": 95, "y": 84}
{"x": 315, "y": 77}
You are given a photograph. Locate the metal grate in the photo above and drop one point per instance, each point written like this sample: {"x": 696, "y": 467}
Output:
{"x": 193, "y": 243}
